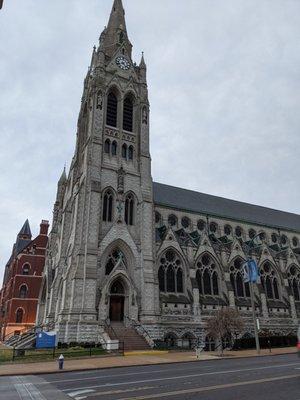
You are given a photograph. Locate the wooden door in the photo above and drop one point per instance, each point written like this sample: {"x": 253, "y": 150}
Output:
{"x": 116, "y": 312}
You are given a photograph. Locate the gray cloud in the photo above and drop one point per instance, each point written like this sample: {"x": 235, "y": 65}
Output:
{"x": 224, "y": 81}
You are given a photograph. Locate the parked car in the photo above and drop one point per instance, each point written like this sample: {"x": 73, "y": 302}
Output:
{"x": 298, "y": 345}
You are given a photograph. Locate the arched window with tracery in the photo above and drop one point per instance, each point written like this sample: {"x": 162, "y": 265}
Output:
{"x": 240, "y": 288}
{"x": 170, "y": 273}
{"x": 115, "y": 256}
{"x": 25, "y": 269}
{"x": 107, "y": 206}
{"x": 294, "y": 281}
{"x": 23, "y": 292}
{"x": 112, "y": 110}
{"x": 207, "y": 276}
{"x": 270, "y": 281}
{"x": 129, "y": 209}
{"x": 172, "y": 220}
{"x": 128, "y": 114}
{"x": 19, "y": 315}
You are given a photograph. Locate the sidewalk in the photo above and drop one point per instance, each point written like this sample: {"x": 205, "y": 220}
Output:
{"x": 135, "y": 358}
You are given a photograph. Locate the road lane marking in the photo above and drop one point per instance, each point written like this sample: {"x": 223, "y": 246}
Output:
{"x": 182, "y": 376}
{"x": 121, "y": 391}
{"x": 79, "y": 392}
{"x": 209, "y": 388}
{"x": 118, "y": 375}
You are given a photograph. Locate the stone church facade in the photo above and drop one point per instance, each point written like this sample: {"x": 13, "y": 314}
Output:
{"x": 126, "y": 249}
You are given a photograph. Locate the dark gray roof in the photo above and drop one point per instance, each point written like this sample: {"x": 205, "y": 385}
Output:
{"x": 25, "y": 229}
{"x": 188, "y": 200}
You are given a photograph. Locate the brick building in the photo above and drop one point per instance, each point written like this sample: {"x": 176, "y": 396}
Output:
{"x": 22, "y": 281}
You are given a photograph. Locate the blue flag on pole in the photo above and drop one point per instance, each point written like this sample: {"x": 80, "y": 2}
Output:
{"x": 250, "y": 271}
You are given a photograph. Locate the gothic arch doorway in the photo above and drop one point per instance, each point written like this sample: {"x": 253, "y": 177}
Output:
{"x": 117, "y": 301}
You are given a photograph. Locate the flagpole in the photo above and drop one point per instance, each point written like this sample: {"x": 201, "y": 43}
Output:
{"x": 252, "y": 299}
{"x": 254, "y": 318}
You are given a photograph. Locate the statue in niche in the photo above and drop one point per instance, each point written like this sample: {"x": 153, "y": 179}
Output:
{"x": 120, "y": 210}
{"x": 145, "y": 116}
{"x": 121, "y": 174}
{"x": 99, "y": 100}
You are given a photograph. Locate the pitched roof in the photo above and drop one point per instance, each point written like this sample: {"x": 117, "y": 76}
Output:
{"x": 188, "y": 200}
{"x": 25, "y": 230}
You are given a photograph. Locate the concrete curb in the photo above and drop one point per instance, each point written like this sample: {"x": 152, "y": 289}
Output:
{"x": 148, "y": 364}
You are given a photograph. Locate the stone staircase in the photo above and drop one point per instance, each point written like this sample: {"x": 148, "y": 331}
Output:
{"x": 129, "y": 336}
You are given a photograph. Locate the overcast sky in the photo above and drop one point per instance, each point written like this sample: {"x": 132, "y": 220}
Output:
{"x": 224, "y": 83}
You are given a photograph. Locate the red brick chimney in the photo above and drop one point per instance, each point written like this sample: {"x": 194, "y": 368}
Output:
{"x": 44, "y": 226}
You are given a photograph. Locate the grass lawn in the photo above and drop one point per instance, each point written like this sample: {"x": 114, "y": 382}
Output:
{"x": 47, "y": 354}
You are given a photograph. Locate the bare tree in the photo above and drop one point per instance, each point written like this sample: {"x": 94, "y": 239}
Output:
{"x": 224, "y": 324}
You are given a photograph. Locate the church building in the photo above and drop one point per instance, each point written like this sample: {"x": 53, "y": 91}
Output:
{"x": 124, "y": 250}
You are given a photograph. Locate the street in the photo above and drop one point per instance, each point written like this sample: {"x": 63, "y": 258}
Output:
{"x": 265, "y": 378}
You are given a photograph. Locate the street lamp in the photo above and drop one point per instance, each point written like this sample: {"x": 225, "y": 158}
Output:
{"x": 251, "y": 280}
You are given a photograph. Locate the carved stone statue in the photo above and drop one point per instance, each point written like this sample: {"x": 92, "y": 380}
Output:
{"x": 145, "y": 116}
{"x": 99, "y": 100}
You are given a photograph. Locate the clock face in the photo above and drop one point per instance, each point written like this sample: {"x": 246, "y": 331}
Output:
{"x": 123, "y": 63}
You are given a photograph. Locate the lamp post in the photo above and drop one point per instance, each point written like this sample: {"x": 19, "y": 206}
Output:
{"x": 251, "y": 283}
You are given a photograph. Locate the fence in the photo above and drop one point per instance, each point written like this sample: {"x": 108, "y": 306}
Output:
{"x": 34, "y": 354}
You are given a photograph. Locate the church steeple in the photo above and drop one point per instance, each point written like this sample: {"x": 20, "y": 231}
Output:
{"x": 115, "y": 35}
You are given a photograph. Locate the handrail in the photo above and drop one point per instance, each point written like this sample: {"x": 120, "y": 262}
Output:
{"x": 136, "y": 324}
{"x": 110, "y": 328}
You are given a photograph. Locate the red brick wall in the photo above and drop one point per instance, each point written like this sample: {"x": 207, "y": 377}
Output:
{"x": 10, "y": 301}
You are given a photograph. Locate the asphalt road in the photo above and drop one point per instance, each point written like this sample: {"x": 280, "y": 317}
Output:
{"x": 265, "y": 378}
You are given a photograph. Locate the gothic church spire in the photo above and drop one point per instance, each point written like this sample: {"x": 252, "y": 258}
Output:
{"x": 115, "y": 35}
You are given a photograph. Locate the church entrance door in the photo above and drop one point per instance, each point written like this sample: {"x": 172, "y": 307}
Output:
{"x": 117, "y": 301}
{"x": 116, "y": 312}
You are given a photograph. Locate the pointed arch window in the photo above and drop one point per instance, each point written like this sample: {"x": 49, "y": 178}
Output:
{"x": 112, "y": 260}
{"x": 240, "y": 288}
{"x": 215, "y": 284}
{"x": 114, "y": 148}
{"x": 170, "y": 279}
{"x": 207, "y": 282}
{"x": 128, "y": 114}
{"x": 179, "y": 280}
{"x": 26, "y": 269}
{"x": 19, "y": 315}
{"x": 129, "y": 209}
{"x": 23, "y": 292}
{"x": 112, "y": 110}
{"x": 107, "y": 146}
{"x": 270, "y": 281}
{"x": 124, "y": 151}
{"x": 107, "y": 206}
{"x": 170, "y": 273}
{"x": 207, "y": 276}
{"x": 130, "y": 153}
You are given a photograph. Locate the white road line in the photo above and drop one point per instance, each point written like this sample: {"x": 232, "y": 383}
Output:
{"x": 182, "y": 377}
{"x": 79, "y": 392}
{"x": 158, "y": 371}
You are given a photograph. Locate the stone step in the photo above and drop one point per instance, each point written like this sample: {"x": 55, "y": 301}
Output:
{"x": 129, "y": 336}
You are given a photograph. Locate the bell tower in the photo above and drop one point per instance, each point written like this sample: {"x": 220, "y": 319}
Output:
{"x": 104, "y": 237}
